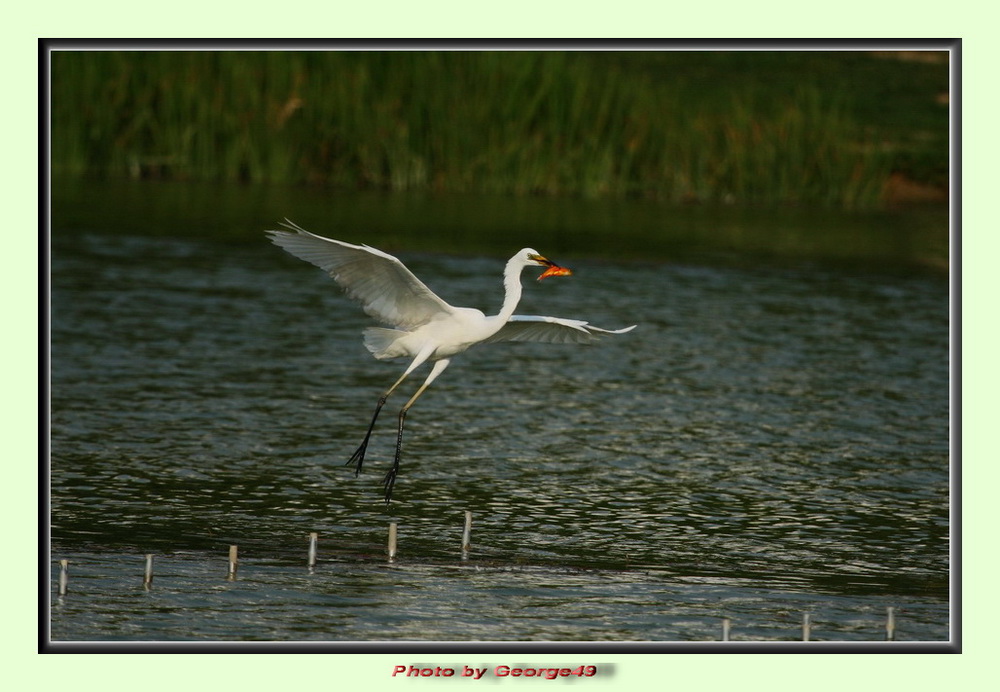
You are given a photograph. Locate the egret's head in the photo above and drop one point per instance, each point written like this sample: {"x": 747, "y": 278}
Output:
{"x": 552, "y": 269}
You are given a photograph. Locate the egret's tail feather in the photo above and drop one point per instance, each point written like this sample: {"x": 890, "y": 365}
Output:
{"x": 382, "y": 343}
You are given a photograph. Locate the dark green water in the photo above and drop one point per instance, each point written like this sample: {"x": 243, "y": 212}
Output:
{"x": 772, "y": 438}
{"x": 904, "y": 240}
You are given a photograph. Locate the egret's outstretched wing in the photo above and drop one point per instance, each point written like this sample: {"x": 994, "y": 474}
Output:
{"x": 387, "y": 290}
{"x": 551, "y": 330}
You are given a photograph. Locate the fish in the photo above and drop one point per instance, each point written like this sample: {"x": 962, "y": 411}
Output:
{"x": 555, "y": 270}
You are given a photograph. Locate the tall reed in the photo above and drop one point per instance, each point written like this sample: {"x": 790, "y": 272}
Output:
{"x": 554, "y": 123}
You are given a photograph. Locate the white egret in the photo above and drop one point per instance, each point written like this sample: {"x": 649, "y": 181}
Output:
{"x": 421, "y": 326}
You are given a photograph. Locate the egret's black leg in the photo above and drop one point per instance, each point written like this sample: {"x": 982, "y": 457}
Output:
{"x": 390, "y": 477}
{"x": 358, "y": 458}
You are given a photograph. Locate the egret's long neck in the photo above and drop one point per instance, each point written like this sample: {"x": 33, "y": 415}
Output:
{"x": 512, "y": 288}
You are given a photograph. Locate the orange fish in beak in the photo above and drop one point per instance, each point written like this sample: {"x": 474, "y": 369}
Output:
{"x": 553, "y": 268}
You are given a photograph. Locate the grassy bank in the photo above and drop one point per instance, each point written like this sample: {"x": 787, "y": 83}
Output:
{"x": 744, "y": 128}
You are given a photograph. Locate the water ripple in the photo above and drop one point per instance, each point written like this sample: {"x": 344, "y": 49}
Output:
{"x": 783, "y": 428}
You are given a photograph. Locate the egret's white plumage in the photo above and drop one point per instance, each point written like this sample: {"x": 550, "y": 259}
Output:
{"x": 420, "y": 325}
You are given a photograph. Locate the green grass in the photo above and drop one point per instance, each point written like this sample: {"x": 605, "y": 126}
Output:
{"x": 747, "y": 128}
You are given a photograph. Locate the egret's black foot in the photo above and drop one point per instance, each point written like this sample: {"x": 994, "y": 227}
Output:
{"x": 358, "y": 458}
{"x": 389, "y": 481}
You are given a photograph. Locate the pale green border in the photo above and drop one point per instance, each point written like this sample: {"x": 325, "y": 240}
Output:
{"x": 459, "y": 19}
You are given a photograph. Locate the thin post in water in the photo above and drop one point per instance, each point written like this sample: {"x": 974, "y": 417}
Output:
{"x": 890, "y": 624}
{"x": 467, "y": 534}
{"x": 313, "y": 537}
{"x": 392, "y": 541}
{"x": 63, "y": 576}
{"x": 234, "y": 562}
{"x": 806, "y": 626}
{"x": 725, "y": 629}
{"x": 147, "y": 577}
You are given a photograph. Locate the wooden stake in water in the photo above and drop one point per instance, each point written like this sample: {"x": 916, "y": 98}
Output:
{"x": 233, "y": 561}
{"x": 147, "y": 577}
{"x": 313, "y": 537}
{"x": 890, "y": 624}
{"x": 467, "y": 535}
{"x": 725, "y": 629}
{"x": 806, "y": 626}
{"x": 63, "y": 576}
{"x": 392, "y": 541}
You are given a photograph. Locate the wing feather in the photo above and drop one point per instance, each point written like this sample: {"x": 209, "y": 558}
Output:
{"x": 386, "y": 289}
{"x": 551, "y": 330}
